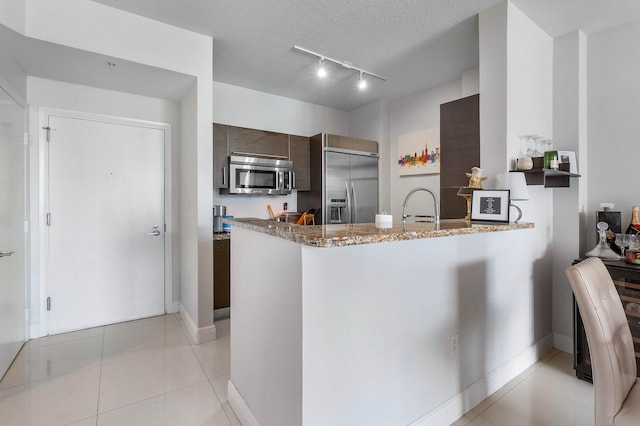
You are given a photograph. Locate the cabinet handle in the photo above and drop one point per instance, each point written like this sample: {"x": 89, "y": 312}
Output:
{"x": 224, "y": 176}
{"x": 293, "y": 178}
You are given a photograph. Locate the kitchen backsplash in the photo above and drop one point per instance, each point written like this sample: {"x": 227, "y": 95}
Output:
{"x": 255, "y": 206}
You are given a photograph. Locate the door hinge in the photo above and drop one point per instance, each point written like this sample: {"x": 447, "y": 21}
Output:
{"x": 26, "y": 138}
{"x": 165, "y": 228}
{"x": 48, "y": 219}
{"x": 49, "y": 303}
{"x": 26, "y": 226}
{"x": 48, "y": 133}
{"x": 26, "y": 314}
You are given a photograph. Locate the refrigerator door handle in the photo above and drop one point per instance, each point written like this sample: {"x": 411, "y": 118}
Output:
{"x": 354, "y": 201}
{"x": 349, "y": 206}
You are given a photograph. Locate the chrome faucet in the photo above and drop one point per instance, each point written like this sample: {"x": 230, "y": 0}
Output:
{"x": 435, "y": 204}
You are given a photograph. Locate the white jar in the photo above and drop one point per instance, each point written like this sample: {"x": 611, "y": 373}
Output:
{"x": 525, "y": 163}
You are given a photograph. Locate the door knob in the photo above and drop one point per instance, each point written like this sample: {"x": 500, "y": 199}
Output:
{"x": 155, "y": 232}
{"x": 6, "y": 254}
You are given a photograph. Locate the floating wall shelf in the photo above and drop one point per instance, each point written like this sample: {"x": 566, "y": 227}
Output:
{"x": 548, "y": 177}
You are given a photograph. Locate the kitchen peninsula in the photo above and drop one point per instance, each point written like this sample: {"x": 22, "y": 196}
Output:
{"x": 350, "y": 324}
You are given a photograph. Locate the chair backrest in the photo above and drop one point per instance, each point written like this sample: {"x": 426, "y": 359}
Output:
{"x": 610, "y": 344}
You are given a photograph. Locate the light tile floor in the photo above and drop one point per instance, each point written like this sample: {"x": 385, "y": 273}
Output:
{"x": 144, "y": 372}
{"x": 546, "y": 394}
{"x": 148, "y": 372}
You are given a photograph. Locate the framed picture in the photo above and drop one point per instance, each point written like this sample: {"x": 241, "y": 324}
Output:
{"x": 490, "y": 205}
{"x": 419, "y": 153}
{"x": 569, "y": 157}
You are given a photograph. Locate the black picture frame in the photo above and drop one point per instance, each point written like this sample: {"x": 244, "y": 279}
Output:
{"x": 490, "y": 205}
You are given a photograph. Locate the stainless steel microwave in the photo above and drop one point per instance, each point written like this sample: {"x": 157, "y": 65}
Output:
{"x": 259, "y": 176}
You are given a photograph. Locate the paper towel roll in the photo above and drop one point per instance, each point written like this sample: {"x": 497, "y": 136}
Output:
{"x": 384, "y": 221}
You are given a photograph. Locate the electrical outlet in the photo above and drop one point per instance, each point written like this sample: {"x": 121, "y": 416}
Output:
{"x": 454, "y": 344}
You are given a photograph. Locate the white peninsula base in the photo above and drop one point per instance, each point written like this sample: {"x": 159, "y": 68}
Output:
{"x": 395, "y": 333}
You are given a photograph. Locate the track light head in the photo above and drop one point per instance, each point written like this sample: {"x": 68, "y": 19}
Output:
{"x": 362, "y": 83}
{"x": 322, "y": 71}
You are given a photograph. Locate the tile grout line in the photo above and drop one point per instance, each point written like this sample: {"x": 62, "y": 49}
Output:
{"x": 100, "y": 375}
{"x": 209, "y": 380}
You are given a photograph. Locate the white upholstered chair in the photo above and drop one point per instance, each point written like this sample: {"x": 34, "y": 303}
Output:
{"x": 613, "y": 362}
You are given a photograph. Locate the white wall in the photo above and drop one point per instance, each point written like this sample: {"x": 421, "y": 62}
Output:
{"x": 75, "y": 97}
{"x": 411, "y": 114}
{"x": 516, "y": 59}
{"x": 569, "y": 121}
{"x": 13, "y": 14}
{"x": 613, "y": 101}
{"x": 11, "y": 72}
{"x": 493, "y": 88}
{"x": 529, "y": 106}
{"x": 242, "y": 107}
{"x": 105, "y": 30}
{"x": 237, "y": 106}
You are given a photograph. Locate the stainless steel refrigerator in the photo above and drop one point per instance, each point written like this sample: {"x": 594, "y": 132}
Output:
{"x": 344, "y": 180}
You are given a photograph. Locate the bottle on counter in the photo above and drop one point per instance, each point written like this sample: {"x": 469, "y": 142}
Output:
{"x": 634, "y": 226}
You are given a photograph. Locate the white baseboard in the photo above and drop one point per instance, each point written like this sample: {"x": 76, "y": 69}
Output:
{"x": 199, "y": 335}
{"x": 451, "y": 410}
{"x": 240, "y": 407}
{"x": 174, "y": 307}
{"x": 563, "y": 343}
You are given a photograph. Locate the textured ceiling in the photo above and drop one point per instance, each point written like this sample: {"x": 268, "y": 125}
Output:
{"x": 415, "y": 44}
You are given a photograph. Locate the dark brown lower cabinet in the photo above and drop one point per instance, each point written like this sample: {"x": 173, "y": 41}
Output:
{"x": 626, "y": 278}
{"x": 221, "y": 274}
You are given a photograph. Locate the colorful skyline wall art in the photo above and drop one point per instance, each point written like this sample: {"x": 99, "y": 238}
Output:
{"x": 419, "y": 153}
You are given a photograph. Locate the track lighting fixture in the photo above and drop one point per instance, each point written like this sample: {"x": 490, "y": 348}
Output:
{"x": 362, "y": 82}
{"x": 322, "y": 71}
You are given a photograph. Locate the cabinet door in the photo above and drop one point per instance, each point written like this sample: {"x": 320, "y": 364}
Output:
{"x": 220, "y": 156}
{"x": 355, "y": 144}
{"x": 459, "y": 151}
{"x": 244, "y": 141}
{"x": 221, "y": 274}
{"x": 299, "y": 154}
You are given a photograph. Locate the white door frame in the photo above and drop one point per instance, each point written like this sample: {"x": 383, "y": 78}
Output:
{"x": 41, "y": 286}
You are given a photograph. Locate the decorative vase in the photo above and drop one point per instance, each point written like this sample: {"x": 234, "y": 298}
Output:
{"x": 525, "y": 163}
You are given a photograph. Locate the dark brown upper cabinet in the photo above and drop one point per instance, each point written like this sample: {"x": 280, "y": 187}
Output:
{"x": 299, "y": 154}
{"x": 232, "y": 140}
{"x": 220, "y": 156}
{"x": 252, "y": 142}
{"x": 459, "y": 151}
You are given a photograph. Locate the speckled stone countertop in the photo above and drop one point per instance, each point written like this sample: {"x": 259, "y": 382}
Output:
{"x": 367, "y": 233}
{"x": 221, "y": 236}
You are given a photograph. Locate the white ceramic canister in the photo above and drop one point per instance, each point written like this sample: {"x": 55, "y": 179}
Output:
{"x": 525, "y": 163}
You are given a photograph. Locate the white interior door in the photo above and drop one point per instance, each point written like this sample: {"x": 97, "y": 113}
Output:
{"x": 106, "y": 231}
{"x": 12, "y": 236}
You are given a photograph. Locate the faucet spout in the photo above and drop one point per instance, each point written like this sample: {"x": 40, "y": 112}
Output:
{"x": 435, "y": 203}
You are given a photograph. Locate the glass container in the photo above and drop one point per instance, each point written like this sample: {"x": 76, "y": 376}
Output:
{"x": 602, "y": 250}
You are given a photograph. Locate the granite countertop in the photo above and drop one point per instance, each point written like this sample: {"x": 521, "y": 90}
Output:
{"x": 367, "y": 233}
{"x": 221, "y": 236}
